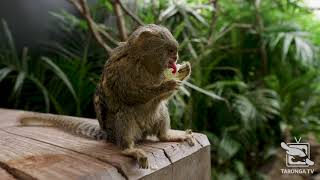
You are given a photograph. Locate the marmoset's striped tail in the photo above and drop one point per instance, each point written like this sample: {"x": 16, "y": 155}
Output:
{"x": 74, "y": 125}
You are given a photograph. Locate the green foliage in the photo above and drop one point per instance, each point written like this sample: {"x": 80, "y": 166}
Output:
{"x": 254, "y": 74}
{"x": 23, "y": 71}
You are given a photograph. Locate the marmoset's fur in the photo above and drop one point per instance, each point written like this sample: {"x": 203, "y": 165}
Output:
{"x": 130, "y": 100}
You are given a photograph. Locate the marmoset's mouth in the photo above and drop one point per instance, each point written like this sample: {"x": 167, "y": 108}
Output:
{"x": 172, "y": 64}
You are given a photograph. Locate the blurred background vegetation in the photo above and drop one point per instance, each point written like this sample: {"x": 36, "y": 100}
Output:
{"x": 255, "y": 79}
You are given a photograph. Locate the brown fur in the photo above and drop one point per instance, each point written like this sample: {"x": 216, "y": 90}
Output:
{"x": 130, "y": 100}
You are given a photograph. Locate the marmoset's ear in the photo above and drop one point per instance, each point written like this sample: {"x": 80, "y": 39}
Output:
{"x": 143, "y": 36}
{"x": 146, "y": 35}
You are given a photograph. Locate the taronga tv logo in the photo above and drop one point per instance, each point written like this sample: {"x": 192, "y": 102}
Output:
{"x": 297, "y": 156}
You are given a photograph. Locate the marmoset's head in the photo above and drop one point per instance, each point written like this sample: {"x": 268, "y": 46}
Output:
{"x": 156, "y": 48}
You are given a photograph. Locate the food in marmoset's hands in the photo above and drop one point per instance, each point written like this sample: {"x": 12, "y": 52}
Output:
{"x": 181, "y": 72}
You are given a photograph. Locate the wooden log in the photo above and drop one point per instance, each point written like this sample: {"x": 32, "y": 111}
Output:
{"x": 5, "y": 175}
{"x": 59, "y": 155}
{"x": 30, "y": 159}
{"x": 9, "y": 117}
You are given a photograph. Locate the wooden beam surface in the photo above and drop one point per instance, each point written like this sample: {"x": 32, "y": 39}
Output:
{"x": 101, "y": 150}
{"x": 9, "y": 118}
{"x": 176, "y": 151}
{"x": 90, "y": 158}
{"x": 4, "y": 175}
{"x": 30, "y": 159}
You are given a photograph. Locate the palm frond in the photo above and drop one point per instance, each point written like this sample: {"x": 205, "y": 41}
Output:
{"x": 43, "y": 90}
{"x": 4, "y": 72}
{"x": 294, "y": 39}
{"x": 227, "y": 148}
{"x": 203, "y": 91}
{"x": 19, "y": 82}
{"x": 256, "y": 106}
{"x": 59, "y": 73}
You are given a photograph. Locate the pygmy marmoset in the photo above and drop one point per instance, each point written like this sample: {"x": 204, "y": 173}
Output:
{"x": 131, "y": 97}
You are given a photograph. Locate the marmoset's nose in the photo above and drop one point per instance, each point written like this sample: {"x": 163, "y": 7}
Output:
{"x": 174, "y": 57}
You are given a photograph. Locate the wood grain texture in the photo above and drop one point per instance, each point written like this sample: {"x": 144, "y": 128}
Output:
{"x": 30, "y": 159}
{"x": 62, "y": 155}
{"x": 195, "y": 166}
{"x": 177, "y": 150}
{"x": 188, "y": 163}
{"x": 8, "y": 117}
{"x": 104, "y": 151}
{"x": 4, "y": 175}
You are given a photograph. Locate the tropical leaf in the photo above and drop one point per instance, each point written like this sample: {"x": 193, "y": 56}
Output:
{"x": 293, "y": 37}
{"x": 245, "y": 108}
{"x": 227, "y": 148}
{"x": 19, "y": 82}
{"x": 59, "y": 73}
{"x": 169, "y": 12}
{"x": 43, "y": 90}
{"x": 203, "y": 91}
{"x": 197, "y": 16}
{"x": 220, "y": 86}
{"x": 4, "y": 72}
{"x": 287, "y": 40}
{"x": 228, "y": 175}
{"x": 11, "y": 45}
{"x": 256, "y": 106}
